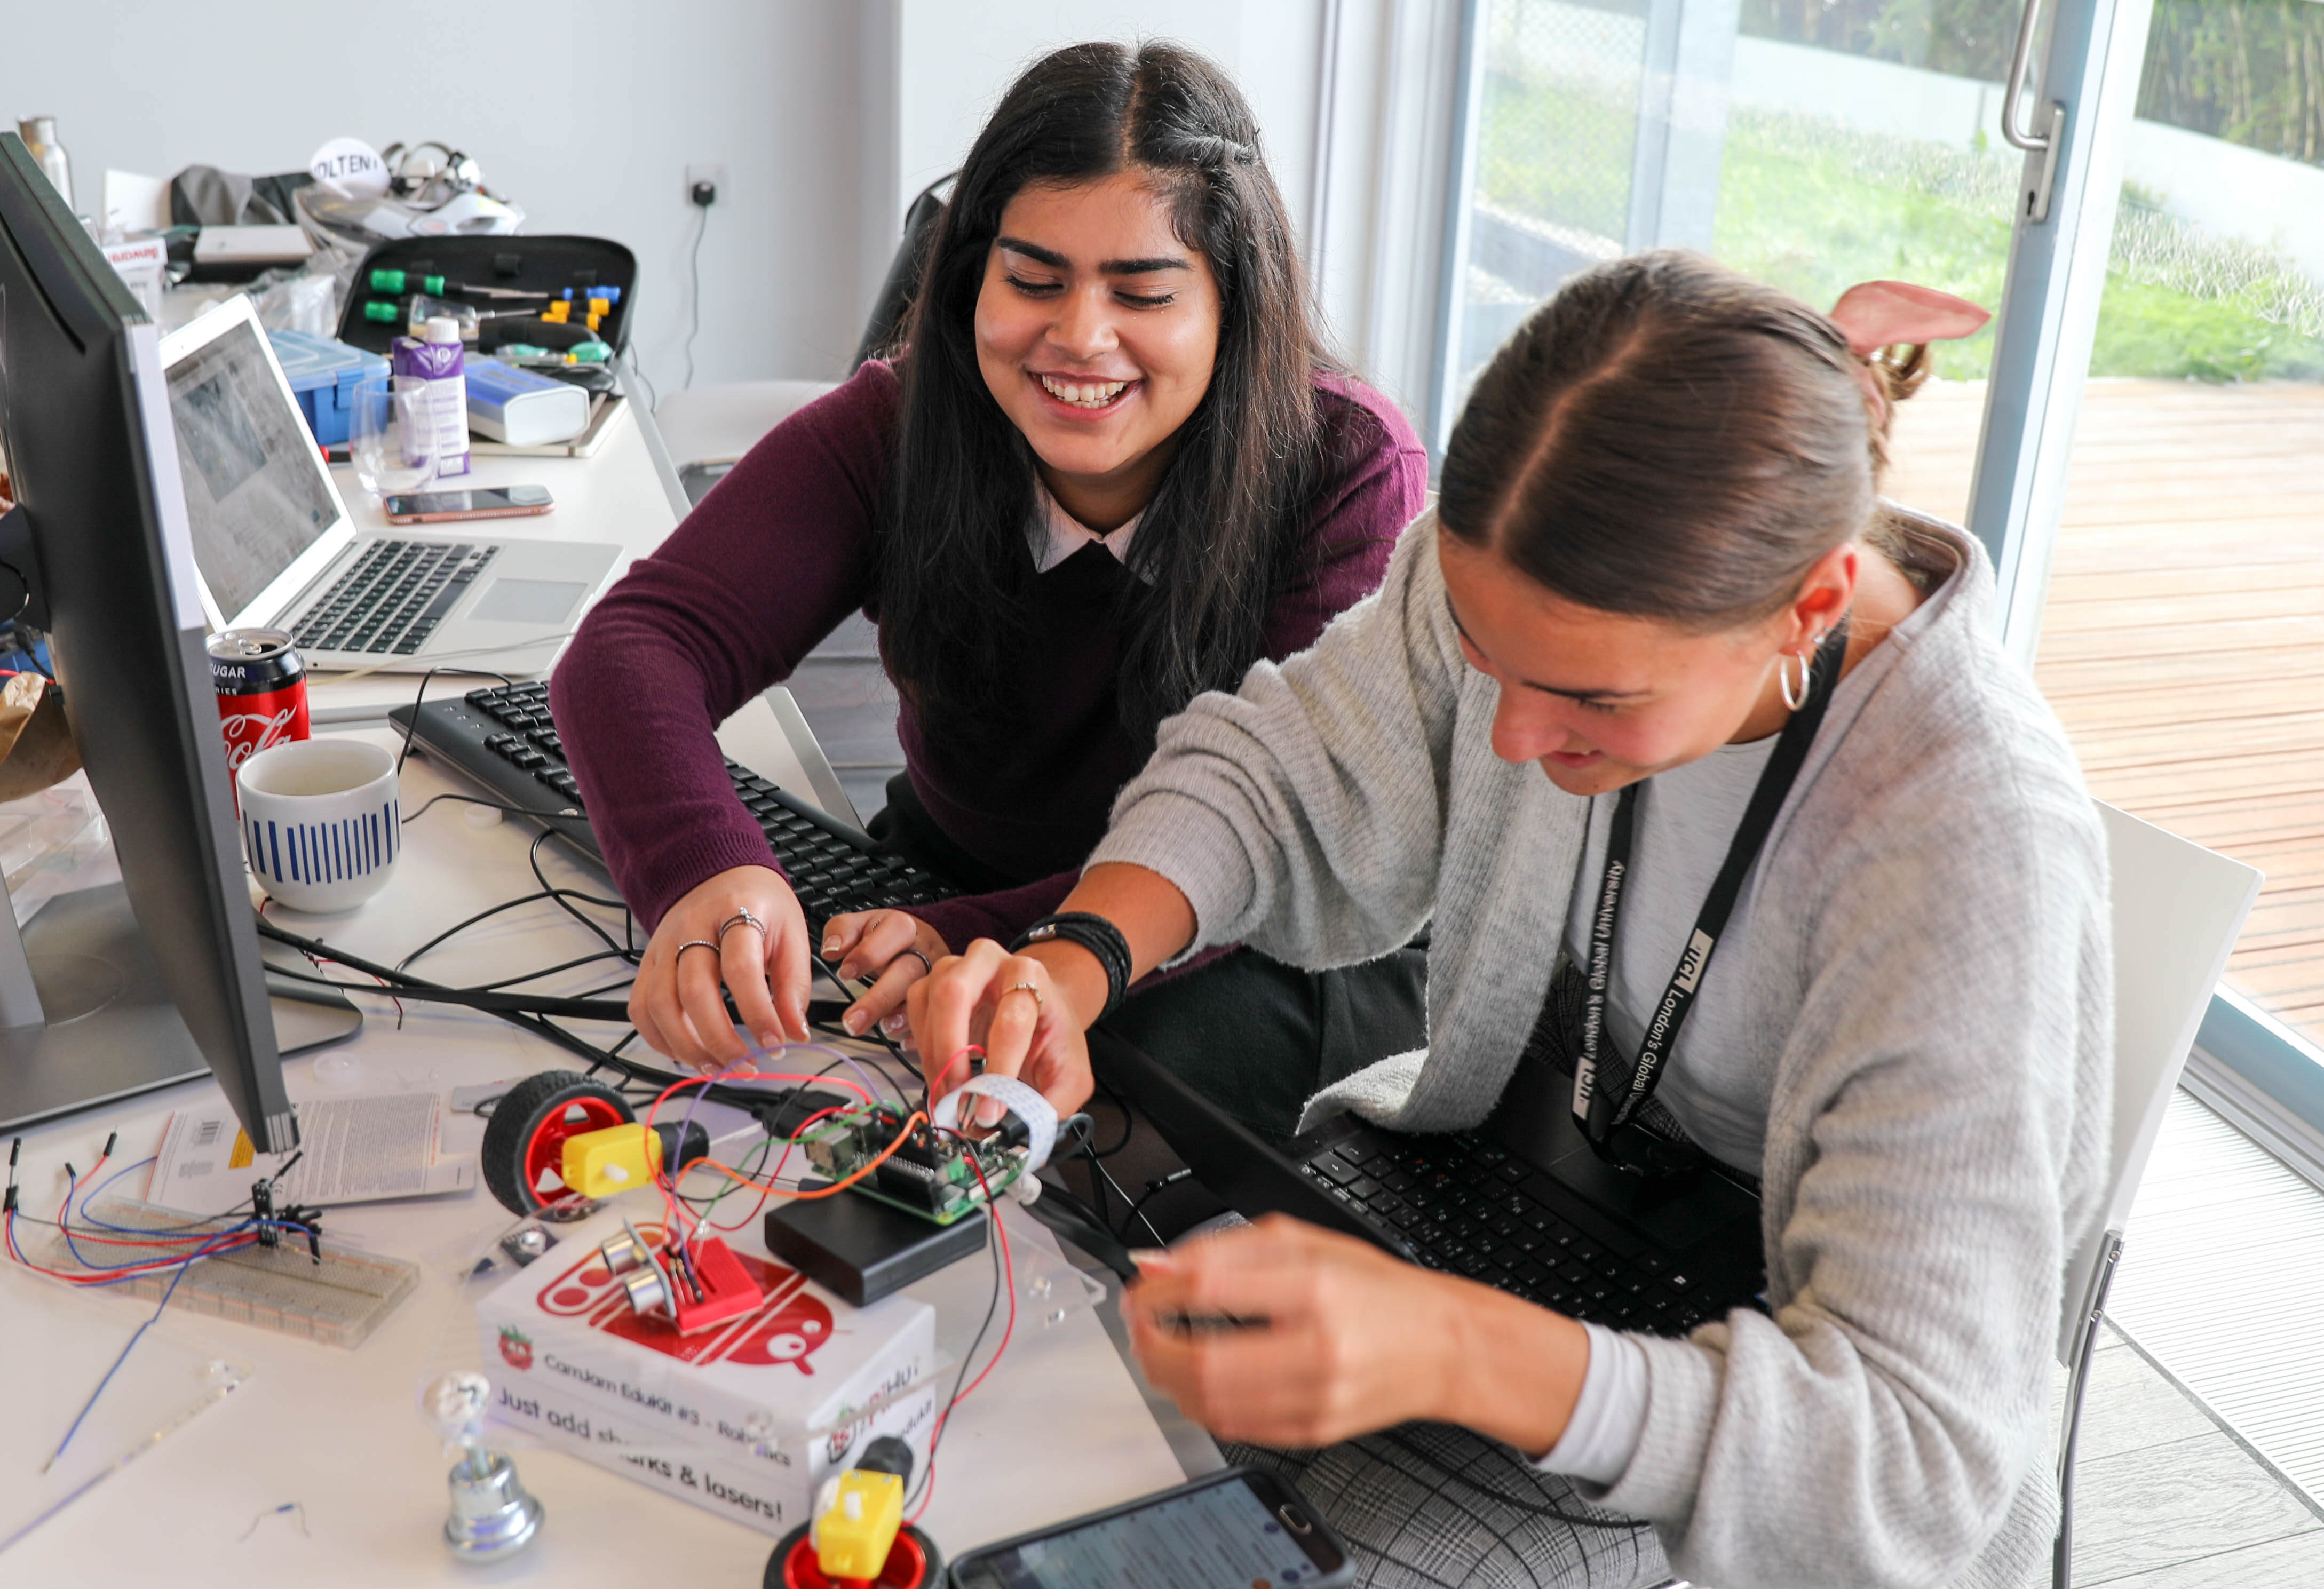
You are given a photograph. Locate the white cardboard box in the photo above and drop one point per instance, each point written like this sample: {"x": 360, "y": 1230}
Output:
{"x": 759, "y": 1489}
{"x": 769, "y": 1403}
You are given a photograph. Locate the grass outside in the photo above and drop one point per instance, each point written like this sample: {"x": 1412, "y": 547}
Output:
{"x": 1814, "y": 205}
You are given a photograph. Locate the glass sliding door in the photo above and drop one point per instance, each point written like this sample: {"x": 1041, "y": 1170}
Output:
{"x": 1811, "y": 144}
{"x": 2182, "y": 640}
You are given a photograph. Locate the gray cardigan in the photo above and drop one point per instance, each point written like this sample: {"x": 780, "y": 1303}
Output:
{"x": 1937, "y": 1128}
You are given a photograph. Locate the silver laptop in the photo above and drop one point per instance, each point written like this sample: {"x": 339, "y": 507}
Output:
{"x": 277, "y": 549}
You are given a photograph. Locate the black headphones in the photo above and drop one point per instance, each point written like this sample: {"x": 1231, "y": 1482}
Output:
{"x": 441, "y": 178}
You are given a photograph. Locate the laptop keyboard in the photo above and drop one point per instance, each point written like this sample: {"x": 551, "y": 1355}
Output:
{"x": 830, "y": 873}
{"x": 1465, "y": 1207}
{"x": 391, "y": 597}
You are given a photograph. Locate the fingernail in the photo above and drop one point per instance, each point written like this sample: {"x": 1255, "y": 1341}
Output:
{"x": 853, "y": 1022}
{"x": 831, "y": 945}
{"x": 989, "y": 1112}
{"x": 769, "y": 1040}
{"x": 896, "y": 1023}
{"x": 1153, "y": 1260}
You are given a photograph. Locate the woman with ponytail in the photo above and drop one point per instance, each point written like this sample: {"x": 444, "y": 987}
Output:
{"x": 1660, "y": 632}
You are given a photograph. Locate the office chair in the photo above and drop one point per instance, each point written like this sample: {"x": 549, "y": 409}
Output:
{"x": 904, "y": 273}
{"x": 2178, "y": 910}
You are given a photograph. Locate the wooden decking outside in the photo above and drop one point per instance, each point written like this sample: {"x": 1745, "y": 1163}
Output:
{"x": 2183, "y": 644}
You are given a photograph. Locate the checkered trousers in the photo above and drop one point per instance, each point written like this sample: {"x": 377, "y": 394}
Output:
{"x": 1434, "y": 1506}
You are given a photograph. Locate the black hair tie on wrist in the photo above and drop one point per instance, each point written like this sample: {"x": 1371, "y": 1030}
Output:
{"x": 1094, "y": 933}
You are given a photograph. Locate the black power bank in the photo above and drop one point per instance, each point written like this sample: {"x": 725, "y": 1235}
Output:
{"x": 862, "y": 1249}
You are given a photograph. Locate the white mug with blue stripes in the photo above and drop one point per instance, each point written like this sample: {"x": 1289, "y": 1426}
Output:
{"x": 320, "y": 822}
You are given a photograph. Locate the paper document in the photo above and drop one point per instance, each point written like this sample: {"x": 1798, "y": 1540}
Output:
{"x": 355, "y": 1150}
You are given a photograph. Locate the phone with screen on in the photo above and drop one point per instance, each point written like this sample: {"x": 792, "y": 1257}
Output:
{"x": 435, "y": 507}
{"x": 1227, "y": 1530}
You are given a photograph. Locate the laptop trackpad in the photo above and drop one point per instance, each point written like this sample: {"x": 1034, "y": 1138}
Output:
{"x": 1676, "y": 1214}
{"x": 528, "y": 601}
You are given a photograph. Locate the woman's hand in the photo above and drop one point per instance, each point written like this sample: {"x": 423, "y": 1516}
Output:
{"x": 1028, "y": 1012}
{"x": 675, "y": 1002}
{"x": 893, "y": 946}
{"x": 1338, "y": 1339}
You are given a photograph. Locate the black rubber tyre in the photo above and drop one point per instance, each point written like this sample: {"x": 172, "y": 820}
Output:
{"x": 529, "y": 1123}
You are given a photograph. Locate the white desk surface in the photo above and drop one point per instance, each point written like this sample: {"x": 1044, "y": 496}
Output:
{"x": 1062, "y": 1426}
{"x": 625, "y": 494}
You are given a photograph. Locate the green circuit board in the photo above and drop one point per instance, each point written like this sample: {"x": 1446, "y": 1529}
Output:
{"x": 932, "y": 1175}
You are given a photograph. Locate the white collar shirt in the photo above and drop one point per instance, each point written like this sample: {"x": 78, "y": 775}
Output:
{"x": 1056, "y": 534}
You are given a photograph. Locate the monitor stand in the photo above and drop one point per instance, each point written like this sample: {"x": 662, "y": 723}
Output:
{"x": 86, "y": 1019}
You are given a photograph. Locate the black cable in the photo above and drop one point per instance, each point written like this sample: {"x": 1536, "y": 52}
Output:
{"x": 506, "y": 982}
{"x": 518, "y": 1010}
{"x": 771, "y": 1139}
{"x": 694, "y": 309}
{"x": 1154, "y": 1188}
{"x": 487, "y": 999}
{"x": 1086, "y": 1129}
{"x": 420, "y": 699}
{"x": 817, "y": 962}
{"x": 435, "y": 801}
{"x": 459, "y": 927}
{"x": 532, "y": 856}
{"x": 604, "y": 989}
{"x": 1129, "y": 1120}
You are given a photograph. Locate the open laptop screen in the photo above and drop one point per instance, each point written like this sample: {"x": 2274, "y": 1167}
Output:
{"x": 255, "y": 493}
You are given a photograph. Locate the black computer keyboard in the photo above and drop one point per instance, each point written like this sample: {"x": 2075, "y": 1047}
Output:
{"x": 1464, "y": 1206}
{"x": 505, "y": 740}
{"x": 391, "y": 597}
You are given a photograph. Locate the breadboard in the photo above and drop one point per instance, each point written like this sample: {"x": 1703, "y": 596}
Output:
{"x": 338, "y": 1302}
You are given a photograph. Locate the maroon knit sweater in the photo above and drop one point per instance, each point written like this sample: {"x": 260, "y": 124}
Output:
{"x": 781, "y": 553}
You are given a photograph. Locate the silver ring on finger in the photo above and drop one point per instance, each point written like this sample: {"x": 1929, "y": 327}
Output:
{"x": 926, "y": 969}
{"x": 693, "y": 943}
{"x": 1026, "y": 987}
{"x": 740, "y": 919}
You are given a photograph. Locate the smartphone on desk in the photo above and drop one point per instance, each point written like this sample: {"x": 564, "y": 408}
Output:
{"x": 1223, "y": 1531}
{"x": 435, "y": 507}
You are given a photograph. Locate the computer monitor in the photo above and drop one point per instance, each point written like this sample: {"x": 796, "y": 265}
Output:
{"x": 158, "y": 978}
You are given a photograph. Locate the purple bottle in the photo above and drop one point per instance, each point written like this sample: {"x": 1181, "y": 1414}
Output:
{"x": 435, "y": 356}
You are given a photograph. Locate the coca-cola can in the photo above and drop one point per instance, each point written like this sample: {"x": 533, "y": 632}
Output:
{"x": 261, "y": 691}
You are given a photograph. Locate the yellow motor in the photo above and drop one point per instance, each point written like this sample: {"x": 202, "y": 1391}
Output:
{"x": 855, "y": 1533}
{"x": 618, "y": 1158}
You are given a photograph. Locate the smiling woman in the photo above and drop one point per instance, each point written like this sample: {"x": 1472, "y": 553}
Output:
{"x": 1108, "y": 466}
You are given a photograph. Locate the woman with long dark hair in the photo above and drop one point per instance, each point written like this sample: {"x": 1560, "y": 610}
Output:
{"x": 1737, "y": 828}
{"x": 1108, "y": 466}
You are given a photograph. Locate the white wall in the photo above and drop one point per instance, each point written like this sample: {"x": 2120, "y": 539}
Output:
{"x": 626, "y": 98}
{"x": 950, "y": 63}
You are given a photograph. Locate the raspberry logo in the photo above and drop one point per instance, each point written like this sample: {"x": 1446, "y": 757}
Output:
{"x": 516, "y": 1347}
{"x": 787, "y": 1326}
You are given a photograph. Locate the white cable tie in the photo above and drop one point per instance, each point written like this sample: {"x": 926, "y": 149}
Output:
{"x": 1039, "y": 1116}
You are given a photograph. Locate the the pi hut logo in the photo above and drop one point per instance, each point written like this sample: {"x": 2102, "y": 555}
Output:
{"x": 516, "y": 1347}
{"x": 786, "y": 1327}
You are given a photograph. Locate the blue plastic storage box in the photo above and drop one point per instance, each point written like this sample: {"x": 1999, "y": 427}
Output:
{"x": 324, "y": 374}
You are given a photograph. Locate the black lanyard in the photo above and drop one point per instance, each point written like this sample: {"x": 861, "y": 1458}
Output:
{"x": 1602, "y": 1113}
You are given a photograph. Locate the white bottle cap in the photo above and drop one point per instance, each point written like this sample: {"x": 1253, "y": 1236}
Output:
{"x": 440, "y": 329}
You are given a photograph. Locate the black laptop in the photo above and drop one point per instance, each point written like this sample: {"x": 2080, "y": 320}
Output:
{"x": 1522, "y": 1202}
